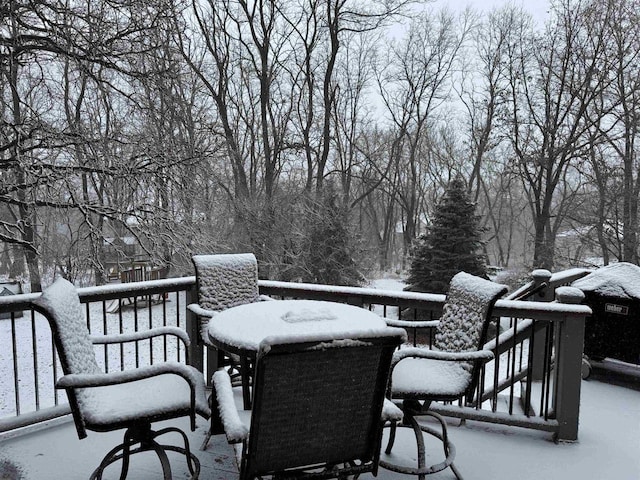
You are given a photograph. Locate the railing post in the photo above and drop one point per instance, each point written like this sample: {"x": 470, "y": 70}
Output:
{"x": 569, "y": 345}
{"x": 196, "y": 348}
{"x": 540, "y": 277}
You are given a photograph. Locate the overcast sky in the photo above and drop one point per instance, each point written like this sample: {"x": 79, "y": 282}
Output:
{"x": 537, "y": 8}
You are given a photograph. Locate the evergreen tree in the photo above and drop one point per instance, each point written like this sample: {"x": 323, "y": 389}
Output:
{"x": 450, "y": 244}
{"x": 329, "y": 244}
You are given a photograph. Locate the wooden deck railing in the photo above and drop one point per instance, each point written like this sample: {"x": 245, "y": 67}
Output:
{"x": 534, "y": 381}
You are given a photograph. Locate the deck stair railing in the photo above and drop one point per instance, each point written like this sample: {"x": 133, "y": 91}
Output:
{"x": 541, "y": 288}
{"x": 538, "y": 352}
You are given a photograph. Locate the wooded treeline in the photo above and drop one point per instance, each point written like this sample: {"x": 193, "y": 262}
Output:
{"x": 317, "y": 134}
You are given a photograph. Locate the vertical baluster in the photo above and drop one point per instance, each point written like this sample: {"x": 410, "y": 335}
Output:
{"x": 164, "y": 324}
{"x": 14, "y": 346}
{"x": 150, "y": 310}
{"x": 430, "y": 330}
{"x": 34, "y": 344}
{"x": 552, "y": 331}
{"x": 121, "y": 330}
{"x": 512, "y": 365}
{"x": 193, "y": 340}
{"x": 135, "y": 327}
{"x": 529, "y": 381}
{"x": 480, "y": 394}
{"x": 415, "y": 330}
{"x": 104, "y": 330}
{"x": 496, "y": 377}
{"x": 54, "y": 356}
{"x": 546, "y": 366}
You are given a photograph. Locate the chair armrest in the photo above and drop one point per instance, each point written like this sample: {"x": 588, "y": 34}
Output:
{"x": 479, "y": 355}
{"x": 235, "y": 430}
{"x": 391, "y": 412}
{"x": 141, "y": 335}
{"x": 411, "y": 323}
{"x": 199, "y": 311}
{"x": 85, "y": 380}
{"x": 265, "y": 298}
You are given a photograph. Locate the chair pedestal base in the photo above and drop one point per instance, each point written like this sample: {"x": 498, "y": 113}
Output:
{"x": 422, "y": 469}
{"x": 145, "y": 437}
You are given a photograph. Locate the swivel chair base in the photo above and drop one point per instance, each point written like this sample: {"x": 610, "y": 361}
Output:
{"x": 143, "y": 435}
{"x": 422, "y": 469}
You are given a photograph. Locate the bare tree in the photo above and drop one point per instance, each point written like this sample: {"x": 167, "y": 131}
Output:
{"x": 418, "y": 80}
{"x": 620, "y": 127}
{"x": 43, "y": 161}
{"x": 553, "y": 81}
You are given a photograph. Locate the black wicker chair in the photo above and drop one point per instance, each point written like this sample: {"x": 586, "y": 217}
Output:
{"x": 317, "y": 407}
{"x": 131, "y": 399}
{"x": 224, "y": 281}
{"x": 449, "y": 372}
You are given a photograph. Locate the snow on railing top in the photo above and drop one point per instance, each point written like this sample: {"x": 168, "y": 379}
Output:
{"x": 356, "y": 291}
{"x": 515, "y": 308}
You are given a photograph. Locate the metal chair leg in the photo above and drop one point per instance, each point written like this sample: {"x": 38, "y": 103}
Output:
{"x": 422, "y": 468}
{"x": 392, "y": 437}
{"x": 147, "y": 440}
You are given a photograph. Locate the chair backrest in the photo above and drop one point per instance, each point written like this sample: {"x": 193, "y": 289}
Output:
{"x": 60, "y": 304}
{"x": 465, "y": 317}
{"x": 226, "y": 280}
{"x": 318, "y": 402}
{"x": 466, "y": 313}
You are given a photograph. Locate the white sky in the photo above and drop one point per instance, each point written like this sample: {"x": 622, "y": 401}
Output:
{"x": 537, "y": 8}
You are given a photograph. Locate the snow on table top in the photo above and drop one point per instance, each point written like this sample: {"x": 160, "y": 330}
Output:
{"x": 245, "y": 326}
{"x": 619, "y": 280}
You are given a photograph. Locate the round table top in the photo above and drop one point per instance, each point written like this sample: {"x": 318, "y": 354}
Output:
{"x": 243, "y": 328}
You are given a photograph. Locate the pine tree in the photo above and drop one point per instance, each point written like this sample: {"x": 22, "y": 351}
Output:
{"x": 330, "y": 245}
{"x": 450, "y": 245}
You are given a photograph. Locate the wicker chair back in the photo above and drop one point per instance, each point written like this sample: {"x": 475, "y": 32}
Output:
{"x": 465, "y": 318}
{"x": 318, "y": 404}
{"x": 226, "y": 280}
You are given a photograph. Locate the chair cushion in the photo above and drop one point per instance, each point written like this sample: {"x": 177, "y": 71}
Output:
{"x": 427, "y": 377}
{"x": 160, "y": 396}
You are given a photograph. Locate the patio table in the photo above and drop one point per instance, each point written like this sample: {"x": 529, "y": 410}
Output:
{"x": 240, "y": 330}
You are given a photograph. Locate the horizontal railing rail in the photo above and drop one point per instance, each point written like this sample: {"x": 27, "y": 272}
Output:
{"x": 29, "y": 367}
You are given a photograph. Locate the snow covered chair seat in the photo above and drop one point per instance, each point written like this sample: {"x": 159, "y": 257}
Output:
{"x": 131, "y": 399}
{"x": 449, "y": 372}
{"x": 310, "y": 415}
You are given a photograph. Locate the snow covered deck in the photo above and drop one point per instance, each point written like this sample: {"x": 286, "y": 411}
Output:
{"x": 608, "y": 448}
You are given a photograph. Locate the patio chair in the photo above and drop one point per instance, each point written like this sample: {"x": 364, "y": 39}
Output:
{"x": 449, "y": 372}
{"x": 224, "y": 281}
{"x": 317, "y": 409}
{"x": 131, "y": 399}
